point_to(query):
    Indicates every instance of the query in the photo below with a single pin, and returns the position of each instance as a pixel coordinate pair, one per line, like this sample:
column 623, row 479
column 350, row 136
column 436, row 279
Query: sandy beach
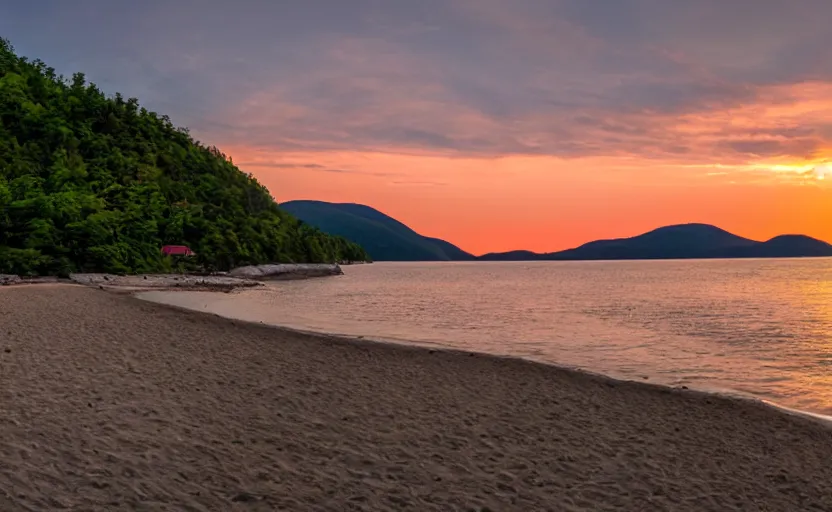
column 112, row 403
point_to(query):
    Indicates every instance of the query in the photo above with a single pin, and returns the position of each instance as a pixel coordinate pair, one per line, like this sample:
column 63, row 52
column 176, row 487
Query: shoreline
column 245, row 284
column 249, row 276
column 111, row 401
column 728, row 394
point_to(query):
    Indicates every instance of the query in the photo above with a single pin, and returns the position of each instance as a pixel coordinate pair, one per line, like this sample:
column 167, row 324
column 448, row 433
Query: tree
column 96, row 183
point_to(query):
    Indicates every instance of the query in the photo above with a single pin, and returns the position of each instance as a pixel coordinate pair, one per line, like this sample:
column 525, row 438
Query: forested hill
column 96, row 183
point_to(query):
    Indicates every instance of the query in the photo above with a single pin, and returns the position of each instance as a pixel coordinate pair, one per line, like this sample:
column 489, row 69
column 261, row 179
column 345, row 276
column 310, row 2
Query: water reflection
column 759, row 327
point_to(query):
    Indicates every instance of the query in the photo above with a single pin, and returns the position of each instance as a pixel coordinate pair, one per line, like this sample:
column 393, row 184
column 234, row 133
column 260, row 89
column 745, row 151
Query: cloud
column 354, row 171
column 682, row 82
column 310, row 167
column 278, row 165
column 772, row 148
column 414, row 182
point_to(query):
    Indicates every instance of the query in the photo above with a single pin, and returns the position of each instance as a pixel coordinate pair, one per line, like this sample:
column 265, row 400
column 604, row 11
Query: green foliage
column 91, row 183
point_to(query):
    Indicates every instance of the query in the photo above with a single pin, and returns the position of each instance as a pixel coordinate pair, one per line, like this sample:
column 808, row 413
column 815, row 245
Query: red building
column 177, row 250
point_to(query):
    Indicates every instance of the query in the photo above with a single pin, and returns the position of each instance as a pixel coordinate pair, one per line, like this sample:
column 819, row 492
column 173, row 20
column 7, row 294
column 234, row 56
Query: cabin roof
column 177, row 250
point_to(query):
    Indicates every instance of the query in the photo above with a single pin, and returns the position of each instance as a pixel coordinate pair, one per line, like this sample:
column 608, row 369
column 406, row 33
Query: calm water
column 754, row 327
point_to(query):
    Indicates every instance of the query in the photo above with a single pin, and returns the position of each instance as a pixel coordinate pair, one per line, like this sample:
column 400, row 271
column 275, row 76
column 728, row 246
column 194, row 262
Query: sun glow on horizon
column 822, row 170
column 817, row 170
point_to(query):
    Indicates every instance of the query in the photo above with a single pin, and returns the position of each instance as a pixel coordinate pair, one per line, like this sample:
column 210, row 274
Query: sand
column 111, row 403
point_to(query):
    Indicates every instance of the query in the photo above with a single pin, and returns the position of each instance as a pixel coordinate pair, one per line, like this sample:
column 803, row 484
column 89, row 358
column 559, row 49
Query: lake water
column 761, row 328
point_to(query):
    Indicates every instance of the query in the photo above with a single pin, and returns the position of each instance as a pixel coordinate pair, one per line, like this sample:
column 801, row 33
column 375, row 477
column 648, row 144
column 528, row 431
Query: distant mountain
column 383, row 237
column 784, row 246
column 511, row 256
column 387, row 239
column 453, row 252
column 684, row 241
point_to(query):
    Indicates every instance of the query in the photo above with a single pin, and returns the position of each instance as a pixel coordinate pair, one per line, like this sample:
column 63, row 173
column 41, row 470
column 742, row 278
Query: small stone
column 7, row 350
column 6, row 279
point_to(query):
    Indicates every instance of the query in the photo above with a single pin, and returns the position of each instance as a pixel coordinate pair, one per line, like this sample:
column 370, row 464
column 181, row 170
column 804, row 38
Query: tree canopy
column 96, row 183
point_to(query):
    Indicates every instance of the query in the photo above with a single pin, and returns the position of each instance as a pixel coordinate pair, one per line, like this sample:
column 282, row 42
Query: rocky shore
column 163, row 281
column 11, row 279
column 287, row 271
column 241, row 277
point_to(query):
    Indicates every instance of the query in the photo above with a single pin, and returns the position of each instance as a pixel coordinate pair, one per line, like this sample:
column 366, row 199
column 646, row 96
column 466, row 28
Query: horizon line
column 560, row 250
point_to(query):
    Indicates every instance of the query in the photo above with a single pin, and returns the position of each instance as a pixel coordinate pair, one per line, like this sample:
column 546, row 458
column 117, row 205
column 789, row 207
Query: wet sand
column 112, row 403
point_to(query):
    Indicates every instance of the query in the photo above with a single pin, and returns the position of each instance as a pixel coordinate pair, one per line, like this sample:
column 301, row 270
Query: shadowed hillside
column 384, row 238
column 387, row 239
column 684, row 241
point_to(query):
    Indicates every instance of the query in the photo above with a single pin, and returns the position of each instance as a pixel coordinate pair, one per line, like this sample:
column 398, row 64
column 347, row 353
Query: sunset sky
column 494, row 124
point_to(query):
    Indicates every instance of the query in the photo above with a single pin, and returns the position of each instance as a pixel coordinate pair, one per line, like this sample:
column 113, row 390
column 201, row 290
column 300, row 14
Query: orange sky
column 494, row 125
column 546, row 203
